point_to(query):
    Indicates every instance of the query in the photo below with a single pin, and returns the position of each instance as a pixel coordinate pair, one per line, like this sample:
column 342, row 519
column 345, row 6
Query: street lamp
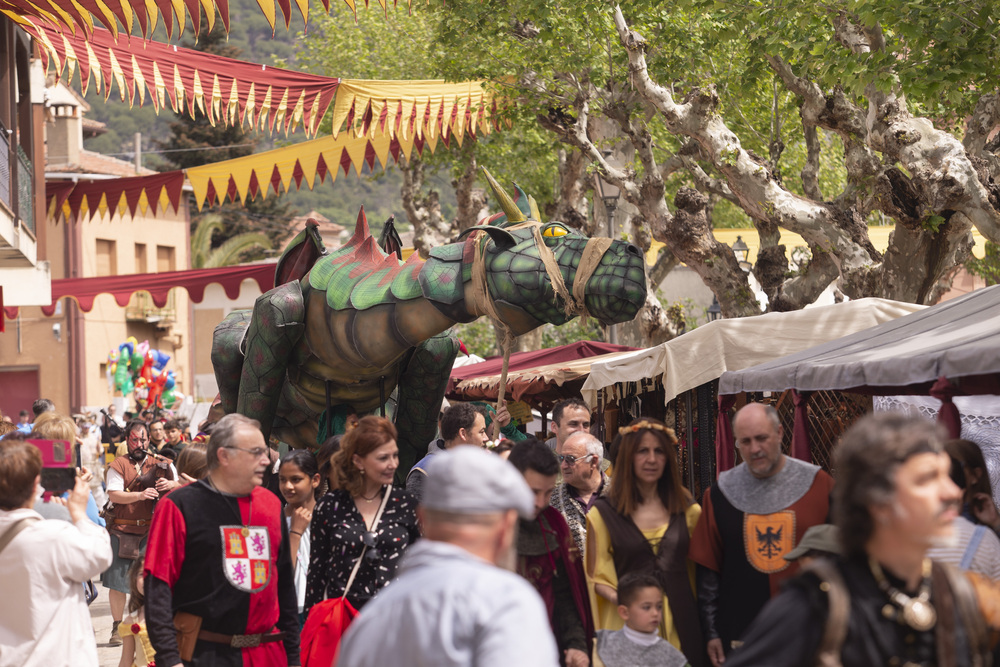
column 609, row 194
column 715, row 310
column 742, row 252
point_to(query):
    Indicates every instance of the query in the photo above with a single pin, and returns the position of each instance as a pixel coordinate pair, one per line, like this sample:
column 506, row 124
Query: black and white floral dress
column 337, row 540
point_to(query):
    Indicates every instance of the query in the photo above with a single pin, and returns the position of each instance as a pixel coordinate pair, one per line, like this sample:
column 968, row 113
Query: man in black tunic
column 218, row 564
column 883, row 602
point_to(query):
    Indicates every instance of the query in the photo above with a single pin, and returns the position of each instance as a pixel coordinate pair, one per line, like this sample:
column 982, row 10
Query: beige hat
column 470, row 480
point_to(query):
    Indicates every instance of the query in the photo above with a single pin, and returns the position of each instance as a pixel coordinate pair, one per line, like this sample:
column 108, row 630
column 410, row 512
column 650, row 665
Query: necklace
column 239, row 516
column 371, row 498
column 916, row 612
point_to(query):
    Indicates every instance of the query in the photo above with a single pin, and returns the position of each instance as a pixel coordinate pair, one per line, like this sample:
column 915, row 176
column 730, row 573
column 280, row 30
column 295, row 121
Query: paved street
column 100, row 614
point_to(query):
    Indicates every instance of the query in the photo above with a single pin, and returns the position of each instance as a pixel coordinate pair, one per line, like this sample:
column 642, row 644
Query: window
column 165, row 260
column 107, row 258
column 141, row 265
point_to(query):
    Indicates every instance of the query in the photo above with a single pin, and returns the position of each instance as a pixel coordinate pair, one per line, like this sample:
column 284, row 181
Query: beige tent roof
column 706, row 353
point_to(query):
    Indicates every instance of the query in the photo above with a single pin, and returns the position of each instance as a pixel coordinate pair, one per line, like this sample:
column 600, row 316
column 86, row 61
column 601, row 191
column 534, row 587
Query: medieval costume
column 566, row 499
column 616, row 545
column 223, row 559
column 790, row 630
column 747, row 525
column 337, row 540
column 548, row 559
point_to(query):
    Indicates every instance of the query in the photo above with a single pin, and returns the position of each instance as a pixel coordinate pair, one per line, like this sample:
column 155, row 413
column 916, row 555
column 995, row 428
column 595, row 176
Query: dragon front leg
column 276, row 327
column 421, row 388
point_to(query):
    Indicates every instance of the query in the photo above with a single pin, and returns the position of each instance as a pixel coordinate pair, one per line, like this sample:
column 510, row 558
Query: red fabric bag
column 328, row 620
column 326, row 624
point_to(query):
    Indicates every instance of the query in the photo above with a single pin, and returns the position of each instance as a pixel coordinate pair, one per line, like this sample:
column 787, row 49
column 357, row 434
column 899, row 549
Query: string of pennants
column 234, row 180
column 225, row 90
column 234, row 92
column 79, row 15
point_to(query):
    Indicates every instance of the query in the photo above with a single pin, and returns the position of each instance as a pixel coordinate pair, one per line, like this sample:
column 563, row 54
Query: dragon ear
column 501, row 237
column 514, row 214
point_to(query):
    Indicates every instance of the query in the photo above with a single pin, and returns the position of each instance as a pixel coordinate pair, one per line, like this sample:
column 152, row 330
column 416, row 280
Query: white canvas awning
column 706, row 353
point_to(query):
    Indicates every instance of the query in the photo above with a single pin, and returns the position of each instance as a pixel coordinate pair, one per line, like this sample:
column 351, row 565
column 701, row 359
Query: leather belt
column 132, row 522
column 241, row 641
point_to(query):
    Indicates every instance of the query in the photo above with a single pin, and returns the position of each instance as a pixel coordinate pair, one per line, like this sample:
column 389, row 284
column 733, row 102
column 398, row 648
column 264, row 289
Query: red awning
column 85, row 290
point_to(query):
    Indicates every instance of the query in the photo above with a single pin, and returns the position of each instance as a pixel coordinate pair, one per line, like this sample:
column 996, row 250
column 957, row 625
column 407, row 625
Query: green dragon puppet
column 349, row 327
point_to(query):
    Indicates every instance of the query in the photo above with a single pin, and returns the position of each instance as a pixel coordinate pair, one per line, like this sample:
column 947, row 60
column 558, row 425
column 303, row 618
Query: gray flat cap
column 824, row 537
column 471, row 480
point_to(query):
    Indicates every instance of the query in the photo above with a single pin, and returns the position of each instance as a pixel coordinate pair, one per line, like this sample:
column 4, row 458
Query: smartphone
column 58, row 466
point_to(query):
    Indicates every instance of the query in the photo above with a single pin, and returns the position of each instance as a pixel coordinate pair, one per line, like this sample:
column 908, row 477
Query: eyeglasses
column 571, row 460
column 370, row 539
column 256, row 452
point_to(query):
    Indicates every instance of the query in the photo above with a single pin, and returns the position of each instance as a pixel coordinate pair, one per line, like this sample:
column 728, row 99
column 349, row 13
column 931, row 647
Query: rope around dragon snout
column 573, row 303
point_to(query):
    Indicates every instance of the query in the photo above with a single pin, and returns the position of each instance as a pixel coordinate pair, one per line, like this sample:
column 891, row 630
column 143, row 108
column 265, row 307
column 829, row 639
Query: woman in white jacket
column 44, row 619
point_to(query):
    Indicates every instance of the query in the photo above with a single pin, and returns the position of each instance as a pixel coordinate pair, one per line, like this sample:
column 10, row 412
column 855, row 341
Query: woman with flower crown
column 644, row 524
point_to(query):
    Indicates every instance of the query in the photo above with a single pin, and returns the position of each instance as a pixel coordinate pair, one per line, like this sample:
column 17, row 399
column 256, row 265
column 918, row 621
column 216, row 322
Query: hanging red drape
column 725, row 442
column 85, row 290
column 948, row 415
column 800, row 430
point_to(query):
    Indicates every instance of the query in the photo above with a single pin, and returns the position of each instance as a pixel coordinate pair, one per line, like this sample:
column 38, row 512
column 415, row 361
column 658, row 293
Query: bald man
column 751, row 517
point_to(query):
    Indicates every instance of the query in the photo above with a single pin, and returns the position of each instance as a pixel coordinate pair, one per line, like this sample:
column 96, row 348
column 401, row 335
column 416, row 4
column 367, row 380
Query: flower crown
column 638, row 426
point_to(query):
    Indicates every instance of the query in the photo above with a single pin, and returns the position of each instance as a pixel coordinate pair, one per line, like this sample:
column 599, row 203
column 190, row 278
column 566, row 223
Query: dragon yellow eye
column 553, row 231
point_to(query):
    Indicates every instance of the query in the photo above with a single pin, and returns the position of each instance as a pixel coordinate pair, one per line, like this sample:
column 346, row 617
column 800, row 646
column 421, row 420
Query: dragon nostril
column 633, row 250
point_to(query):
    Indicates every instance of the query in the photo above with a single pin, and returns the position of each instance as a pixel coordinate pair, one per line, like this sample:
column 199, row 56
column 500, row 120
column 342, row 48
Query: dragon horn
column 510, row 209
column 534, row 208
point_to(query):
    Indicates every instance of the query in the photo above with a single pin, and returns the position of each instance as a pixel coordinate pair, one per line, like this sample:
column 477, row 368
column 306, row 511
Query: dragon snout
column 633, row 250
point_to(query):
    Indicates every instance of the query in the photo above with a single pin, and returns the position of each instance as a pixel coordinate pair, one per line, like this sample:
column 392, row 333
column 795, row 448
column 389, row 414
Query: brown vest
column 140, row 511
column 634, row 553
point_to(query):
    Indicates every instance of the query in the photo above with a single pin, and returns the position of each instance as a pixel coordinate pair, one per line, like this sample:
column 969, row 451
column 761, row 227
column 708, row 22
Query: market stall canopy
column 957, row 340
column 706, row 353
column 541, row 377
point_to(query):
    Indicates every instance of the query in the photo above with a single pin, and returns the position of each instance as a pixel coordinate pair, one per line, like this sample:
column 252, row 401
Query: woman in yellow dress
column 644, row 524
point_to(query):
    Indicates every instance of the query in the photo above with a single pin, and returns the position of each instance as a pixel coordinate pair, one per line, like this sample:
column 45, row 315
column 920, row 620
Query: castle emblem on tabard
column 767, row 538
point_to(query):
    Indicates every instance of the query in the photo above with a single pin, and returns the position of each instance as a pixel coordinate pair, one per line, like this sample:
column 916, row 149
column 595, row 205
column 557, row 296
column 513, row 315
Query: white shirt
column 448, row 608
column 44, row 619
column 115, row 482
column 301, row 564
column 986, row 557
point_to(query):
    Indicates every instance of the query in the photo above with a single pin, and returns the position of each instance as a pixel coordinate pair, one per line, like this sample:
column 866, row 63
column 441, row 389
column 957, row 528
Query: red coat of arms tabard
column 246, row 557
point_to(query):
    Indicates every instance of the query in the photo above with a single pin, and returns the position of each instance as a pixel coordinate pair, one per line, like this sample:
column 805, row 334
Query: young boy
column 640, row 604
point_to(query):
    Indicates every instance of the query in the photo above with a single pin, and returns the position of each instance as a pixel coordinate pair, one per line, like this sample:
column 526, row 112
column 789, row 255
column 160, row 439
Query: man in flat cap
column 452, row 602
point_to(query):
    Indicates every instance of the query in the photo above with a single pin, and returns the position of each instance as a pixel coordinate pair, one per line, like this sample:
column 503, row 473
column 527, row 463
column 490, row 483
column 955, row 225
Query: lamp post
column 742, row 252
column 715, row 310
column 609, row 194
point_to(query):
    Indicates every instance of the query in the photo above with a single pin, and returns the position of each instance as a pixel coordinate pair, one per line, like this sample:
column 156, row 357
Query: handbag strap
column 364, row 549
column 15, row 529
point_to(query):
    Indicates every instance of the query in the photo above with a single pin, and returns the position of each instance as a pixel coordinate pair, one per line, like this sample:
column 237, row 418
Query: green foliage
column 987, row 268
column 231, row 251
column 478, row 337
column 573, row 331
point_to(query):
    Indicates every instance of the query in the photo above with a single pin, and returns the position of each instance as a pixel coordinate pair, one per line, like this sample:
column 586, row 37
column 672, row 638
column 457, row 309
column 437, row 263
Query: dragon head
column 520, row 256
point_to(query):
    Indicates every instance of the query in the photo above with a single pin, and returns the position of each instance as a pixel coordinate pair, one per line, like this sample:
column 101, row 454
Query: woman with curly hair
column 644, row 524
column 342, row 524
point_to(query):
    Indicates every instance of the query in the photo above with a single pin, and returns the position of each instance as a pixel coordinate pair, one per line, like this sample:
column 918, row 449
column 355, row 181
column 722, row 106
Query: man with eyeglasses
column 219, row 583
column 583, row 483
column 133, row 490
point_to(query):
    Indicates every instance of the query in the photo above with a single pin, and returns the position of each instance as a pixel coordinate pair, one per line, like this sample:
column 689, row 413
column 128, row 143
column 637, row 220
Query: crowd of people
column 564, row 551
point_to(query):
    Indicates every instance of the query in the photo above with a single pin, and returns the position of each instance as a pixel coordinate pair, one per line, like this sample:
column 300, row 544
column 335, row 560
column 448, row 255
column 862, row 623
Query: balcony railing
column 142, row 309
column 5, row 167
column 25, row 200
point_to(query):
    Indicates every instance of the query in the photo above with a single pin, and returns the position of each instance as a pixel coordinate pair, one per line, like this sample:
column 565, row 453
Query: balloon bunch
column 137, row 368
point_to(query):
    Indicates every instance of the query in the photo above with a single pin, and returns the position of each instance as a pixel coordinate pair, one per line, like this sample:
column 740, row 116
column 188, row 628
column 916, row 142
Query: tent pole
column 690, row 438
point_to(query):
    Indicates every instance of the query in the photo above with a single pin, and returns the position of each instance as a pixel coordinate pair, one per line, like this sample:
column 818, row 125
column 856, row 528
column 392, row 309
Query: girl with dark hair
column 344, row 526
column 978, row 505
column 298, row 480
column 644, row 524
